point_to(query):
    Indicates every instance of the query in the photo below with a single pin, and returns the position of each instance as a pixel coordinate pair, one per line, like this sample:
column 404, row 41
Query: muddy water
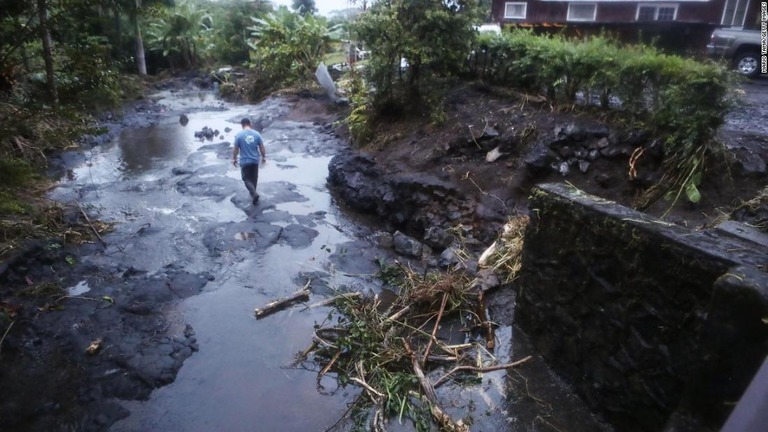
column 178, row 203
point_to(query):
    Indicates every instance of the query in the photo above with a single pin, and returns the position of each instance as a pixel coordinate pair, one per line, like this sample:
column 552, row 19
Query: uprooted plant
column 391, row 349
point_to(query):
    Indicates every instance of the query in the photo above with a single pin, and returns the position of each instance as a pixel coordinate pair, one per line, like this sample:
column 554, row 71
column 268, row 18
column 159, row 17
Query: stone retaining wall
column 645, row 318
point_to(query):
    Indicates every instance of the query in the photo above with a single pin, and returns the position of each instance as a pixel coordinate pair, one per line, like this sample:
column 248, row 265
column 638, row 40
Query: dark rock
column 298, row 236
column 438, row 238
column 448, row 258
column 565, row 151
column 748, row 163
column 183, row 120
column 407, row 246
column 583, row 166
column 539, row 158
column 593, row 155
column 181, row 171
column 486, row 280
column 571, row 131
column 227, row 129
column 385, row 240
column 603, row 143
column 611, row 152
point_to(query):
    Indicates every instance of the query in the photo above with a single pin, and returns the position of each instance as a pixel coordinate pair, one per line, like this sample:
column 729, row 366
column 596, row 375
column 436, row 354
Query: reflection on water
column 146, row 148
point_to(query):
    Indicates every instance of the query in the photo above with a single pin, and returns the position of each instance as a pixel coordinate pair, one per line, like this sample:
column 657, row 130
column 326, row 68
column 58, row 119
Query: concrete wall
column 644, row 318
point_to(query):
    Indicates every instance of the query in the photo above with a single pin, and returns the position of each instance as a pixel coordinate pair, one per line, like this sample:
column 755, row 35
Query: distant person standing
column 249, row 145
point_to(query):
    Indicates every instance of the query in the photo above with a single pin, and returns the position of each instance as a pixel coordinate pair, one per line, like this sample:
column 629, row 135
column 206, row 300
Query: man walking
column 248, row 144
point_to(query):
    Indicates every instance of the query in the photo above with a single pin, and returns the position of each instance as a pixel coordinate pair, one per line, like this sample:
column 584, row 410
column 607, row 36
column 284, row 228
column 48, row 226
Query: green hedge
column 683, row 100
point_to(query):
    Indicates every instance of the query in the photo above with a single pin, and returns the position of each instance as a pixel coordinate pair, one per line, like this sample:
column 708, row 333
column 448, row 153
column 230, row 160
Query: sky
column 323, row 6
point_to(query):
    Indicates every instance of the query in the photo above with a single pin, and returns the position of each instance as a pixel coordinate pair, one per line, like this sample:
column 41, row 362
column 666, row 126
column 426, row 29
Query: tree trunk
column 22, row 47
column 141, row 61
column 117, row 39
column 45, row 34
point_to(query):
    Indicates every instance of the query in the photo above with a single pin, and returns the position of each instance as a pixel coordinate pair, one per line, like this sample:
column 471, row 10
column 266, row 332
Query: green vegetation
column 426, row 44
column 287, row 47
column 681, row 100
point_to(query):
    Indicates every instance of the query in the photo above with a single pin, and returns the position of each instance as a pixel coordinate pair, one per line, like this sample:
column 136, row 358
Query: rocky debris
column 407, row 246
column 486, row 280
column 748, row 163
column 448, row 258
column 575, row 146
column 754, row 212
column 240, row 236
column 139, row 347
column 411, row 203
column 206, row 133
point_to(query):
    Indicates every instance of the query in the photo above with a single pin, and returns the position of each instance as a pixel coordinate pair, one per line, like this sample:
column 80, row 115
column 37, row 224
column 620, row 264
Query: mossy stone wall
column 643, row 317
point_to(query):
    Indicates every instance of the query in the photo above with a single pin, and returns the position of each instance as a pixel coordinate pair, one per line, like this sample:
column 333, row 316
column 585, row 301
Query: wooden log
column 280, row 304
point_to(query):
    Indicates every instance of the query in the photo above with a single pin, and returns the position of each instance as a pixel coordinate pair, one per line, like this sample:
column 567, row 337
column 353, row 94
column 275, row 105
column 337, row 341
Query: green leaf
column 692, row 192
column 108, row 299
column 70, row 260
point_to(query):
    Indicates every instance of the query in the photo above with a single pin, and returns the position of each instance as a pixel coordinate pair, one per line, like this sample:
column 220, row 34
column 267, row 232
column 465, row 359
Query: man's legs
column 250, row 175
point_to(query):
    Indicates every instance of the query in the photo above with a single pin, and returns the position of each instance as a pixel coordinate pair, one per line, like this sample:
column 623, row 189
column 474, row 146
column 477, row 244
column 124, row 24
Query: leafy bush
column 183, row 34
column 359, row 119
column 287, row 47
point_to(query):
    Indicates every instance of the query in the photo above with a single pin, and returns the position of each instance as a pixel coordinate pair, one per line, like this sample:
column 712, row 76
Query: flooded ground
column 179, row 206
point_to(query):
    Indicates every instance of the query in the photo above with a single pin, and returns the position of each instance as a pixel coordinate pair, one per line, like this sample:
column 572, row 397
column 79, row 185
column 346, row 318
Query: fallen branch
column 398, row 314
column 329, row 365
column 88, row 220
column 445, row 421
column 332, row 300
column 442, row 380
column 280, row 304
column 434, row 330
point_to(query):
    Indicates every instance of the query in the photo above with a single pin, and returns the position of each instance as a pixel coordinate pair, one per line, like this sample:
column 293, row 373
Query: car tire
column 747, row 64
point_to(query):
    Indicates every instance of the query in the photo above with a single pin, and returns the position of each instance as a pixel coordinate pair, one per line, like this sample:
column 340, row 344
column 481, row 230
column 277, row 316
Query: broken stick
column 480, row 369
column 280, row 304
column 87, row 219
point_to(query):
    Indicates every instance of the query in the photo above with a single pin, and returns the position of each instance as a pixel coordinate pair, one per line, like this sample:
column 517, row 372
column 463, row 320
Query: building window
column 515, row 10
column 735, row 12
column 666, row 12
column 582, row 11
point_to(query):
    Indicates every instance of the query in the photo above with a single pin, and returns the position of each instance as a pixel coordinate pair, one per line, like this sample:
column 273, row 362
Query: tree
column 45, row 35
column 414, row 44
column 184, row 33
column 141, row 62
column 304, row 7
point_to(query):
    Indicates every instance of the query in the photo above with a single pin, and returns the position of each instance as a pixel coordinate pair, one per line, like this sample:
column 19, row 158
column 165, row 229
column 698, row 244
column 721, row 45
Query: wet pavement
column 180, row 208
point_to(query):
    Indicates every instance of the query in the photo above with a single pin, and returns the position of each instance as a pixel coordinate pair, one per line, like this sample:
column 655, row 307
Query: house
column 678, row 25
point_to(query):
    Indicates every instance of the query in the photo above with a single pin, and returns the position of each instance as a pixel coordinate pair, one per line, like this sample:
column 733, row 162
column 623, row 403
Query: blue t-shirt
column 248, row 141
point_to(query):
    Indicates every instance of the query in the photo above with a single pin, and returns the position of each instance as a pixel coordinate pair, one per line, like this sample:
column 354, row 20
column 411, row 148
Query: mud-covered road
column 167, row 300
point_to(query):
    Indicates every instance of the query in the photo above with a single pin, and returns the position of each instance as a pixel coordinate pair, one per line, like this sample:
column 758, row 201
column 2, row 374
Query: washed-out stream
column 178, row 204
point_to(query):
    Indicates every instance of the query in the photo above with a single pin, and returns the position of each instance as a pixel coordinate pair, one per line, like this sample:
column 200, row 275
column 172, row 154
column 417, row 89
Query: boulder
column 407, row 246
